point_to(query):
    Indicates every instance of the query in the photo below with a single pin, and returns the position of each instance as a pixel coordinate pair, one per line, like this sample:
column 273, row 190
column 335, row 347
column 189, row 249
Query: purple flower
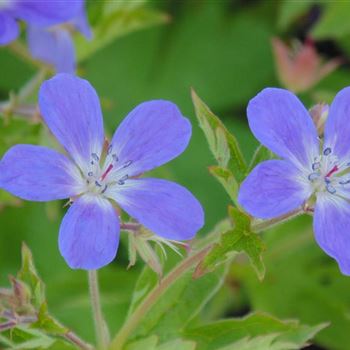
column 152, row 134
column 311, row 172
column 54, row 45
column 39, row 13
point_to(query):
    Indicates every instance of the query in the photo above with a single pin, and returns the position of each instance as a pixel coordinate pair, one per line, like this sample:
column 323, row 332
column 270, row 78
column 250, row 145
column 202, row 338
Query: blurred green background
column 223, row 50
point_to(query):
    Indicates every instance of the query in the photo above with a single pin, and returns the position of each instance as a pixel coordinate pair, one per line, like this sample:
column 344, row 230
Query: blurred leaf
column 222, row 143
column 177, row 344
column 227, row 180
column 238, row 239
column 16, row 131
column 260, row 155
column 47, row 323
column 220, row 335
column 301, row 281
column 292, row 10
column 29, row 275
column 118, row 18
column 334, row 22
column 149, row 343
column 178, row 305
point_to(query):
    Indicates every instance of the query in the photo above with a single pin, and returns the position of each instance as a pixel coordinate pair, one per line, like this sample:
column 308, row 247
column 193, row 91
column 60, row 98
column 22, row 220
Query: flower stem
column 264, row 225
column 132, row 322
column 74, row 339
column 100, row 325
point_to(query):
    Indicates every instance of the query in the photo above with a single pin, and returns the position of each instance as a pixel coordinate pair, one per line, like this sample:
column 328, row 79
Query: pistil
column 332, row 171
column 108, row 170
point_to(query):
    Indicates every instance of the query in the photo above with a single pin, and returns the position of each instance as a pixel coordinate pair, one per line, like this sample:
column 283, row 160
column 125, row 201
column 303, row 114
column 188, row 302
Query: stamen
column 313, row 176
column 327, row 151
column 122, row 180
column 316, row 166
column 98, row 184
column 332, row 171
column 110, row 167
column 331, row 189
column 95, row 157
column 90, row 173
column 115, row 158
column 344, row 182
column 104, row 190
column 109, row 150
column 127, row 163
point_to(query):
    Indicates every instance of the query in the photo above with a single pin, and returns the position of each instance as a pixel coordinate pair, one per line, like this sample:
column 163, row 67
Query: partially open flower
column 299, row 68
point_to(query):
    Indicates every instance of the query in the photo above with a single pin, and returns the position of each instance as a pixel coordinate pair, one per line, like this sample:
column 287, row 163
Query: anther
column 122, row 180
column 109, row 150
column 115, row 158
column 95, row 157
column 98, row 184
column 313, row 176
column 331, row 189
column 316, row 166
column 344, row 182
column 327, row 151
column 104, row 190
column 127, row 163
column 90, row 173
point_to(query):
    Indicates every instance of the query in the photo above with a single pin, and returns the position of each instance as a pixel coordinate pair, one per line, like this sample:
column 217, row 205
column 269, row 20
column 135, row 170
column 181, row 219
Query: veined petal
column 273, row 188
column 46, row 13
column 337, row 128
column 9, row 29
column 53, row 46
column 332, row 228
column 152, row 134
column 164, row 207
column 39, row 174
column 71, row 110
column 279, row 121
column 89, row 233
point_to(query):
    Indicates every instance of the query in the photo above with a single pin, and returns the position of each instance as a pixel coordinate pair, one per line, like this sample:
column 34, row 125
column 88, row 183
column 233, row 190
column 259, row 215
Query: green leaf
column 177, row 344
column 292, row 10
column 254, row 329
column 29, row 275
column 222, row 143
column 260, row 155
column 149, row 343
column 240, row 238
column 301, row 281
column 334, row 22
column 227, row 180
column 47, row 323
column 178, row 305
column 118, row 19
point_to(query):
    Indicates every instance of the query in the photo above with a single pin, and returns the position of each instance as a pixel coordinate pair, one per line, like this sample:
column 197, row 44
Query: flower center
column 113, row 172
column 326, row 173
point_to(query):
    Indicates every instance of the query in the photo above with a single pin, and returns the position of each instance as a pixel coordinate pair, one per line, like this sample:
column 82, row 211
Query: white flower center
column 327, row 171
column 113, row 172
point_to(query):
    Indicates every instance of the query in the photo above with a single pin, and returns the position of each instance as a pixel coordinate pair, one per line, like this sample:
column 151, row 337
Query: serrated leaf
column 220, row 335
column 260, row 155
column 118, row 19
column 238, row 239
column 222, row 143
column 29, row 275
column 47, row 323
column 178, row 305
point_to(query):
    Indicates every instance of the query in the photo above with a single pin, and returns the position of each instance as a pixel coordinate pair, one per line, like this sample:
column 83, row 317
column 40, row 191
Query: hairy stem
column 73, row 338
column 264, row 225
column 132, row 322
column 100, row 325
